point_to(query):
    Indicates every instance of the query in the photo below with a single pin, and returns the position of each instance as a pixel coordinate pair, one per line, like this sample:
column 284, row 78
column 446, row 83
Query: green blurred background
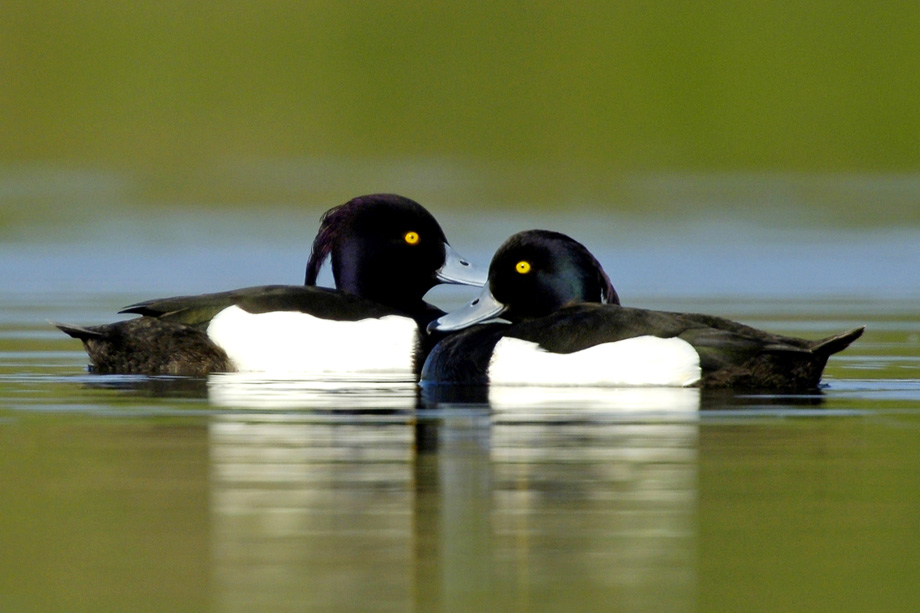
column 641, row 107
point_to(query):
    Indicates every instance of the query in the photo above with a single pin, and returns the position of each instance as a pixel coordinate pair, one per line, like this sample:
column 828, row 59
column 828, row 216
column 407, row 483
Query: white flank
column 290, row 341
column 644, row 360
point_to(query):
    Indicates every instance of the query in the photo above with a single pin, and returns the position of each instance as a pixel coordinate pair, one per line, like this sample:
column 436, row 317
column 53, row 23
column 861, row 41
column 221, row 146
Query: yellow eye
column 411, row 237
column 522, row 267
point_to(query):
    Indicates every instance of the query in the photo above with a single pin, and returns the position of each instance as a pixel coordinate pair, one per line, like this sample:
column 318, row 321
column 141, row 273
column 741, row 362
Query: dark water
column 237, row 493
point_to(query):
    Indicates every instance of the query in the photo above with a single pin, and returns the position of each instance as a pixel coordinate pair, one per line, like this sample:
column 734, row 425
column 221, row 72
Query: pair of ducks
column 549, row 315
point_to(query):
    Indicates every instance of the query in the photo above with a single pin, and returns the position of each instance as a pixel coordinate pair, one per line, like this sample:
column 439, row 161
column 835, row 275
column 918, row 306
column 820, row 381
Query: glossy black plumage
column 554, row 303
column 377, row 271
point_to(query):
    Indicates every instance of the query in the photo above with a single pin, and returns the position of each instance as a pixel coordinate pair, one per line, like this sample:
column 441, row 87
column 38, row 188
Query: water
column 238, row 493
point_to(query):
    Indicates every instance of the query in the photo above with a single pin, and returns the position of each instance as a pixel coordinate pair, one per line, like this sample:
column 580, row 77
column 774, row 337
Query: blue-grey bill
column 459, row 271
column 485, row 308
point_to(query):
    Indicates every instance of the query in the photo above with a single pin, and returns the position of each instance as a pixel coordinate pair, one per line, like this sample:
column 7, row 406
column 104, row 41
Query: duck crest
column 334, row 229
column 325, row 238
column 608, row 293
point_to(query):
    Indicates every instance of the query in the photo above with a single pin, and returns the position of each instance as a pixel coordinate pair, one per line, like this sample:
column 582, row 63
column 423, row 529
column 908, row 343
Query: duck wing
column 199, row 310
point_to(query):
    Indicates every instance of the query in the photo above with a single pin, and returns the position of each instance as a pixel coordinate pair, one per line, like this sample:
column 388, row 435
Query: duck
column 549, row 315
column 386, row 252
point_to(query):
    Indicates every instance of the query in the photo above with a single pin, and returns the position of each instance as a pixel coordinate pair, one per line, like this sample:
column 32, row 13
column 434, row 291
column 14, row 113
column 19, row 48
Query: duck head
column 534, row 274
column 389, row 249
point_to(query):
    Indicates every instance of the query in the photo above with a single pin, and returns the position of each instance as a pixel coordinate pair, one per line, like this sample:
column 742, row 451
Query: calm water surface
column 238, row 493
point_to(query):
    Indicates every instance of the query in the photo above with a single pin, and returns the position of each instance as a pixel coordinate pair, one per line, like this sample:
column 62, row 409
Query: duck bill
column 485, row 308
column 458, row 270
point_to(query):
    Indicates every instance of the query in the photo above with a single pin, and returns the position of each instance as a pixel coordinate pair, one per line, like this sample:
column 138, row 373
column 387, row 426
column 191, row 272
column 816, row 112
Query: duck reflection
column 543, row 501
column 311, row 515
column 262, row 391
column 600, row 507
column 585, row 403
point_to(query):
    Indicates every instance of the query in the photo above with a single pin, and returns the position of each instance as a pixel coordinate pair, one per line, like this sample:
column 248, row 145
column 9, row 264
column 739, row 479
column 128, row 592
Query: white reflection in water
column 580, row 501
column 294, row 391
column 602, row 402
column 612, row 505
column 301, row 511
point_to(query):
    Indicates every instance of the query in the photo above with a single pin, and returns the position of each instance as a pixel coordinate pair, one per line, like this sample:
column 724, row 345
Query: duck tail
column 78, row 332
column 833, row 344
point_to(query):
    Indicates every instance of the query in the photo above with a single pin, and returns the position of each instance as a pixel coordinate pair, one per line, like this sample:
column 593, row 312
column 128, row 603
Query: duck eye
column 522, row 267
column 411, row 237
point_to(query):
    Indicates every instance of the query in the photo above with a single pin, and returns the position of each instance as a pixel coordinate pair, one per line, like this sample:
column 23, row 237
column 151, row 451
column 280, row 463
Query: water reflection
column 601, row 402
column 259, row 390
column 533, row 505
column 309, row 515
column 147, row 387
column 601, row 512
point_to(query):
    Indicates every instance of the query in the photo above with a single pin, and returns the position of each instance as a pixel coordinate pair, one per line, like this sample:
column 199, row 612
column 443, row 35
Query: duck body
column 386, row 252
column 597, row 344
column 558, row 330
column 275, row 328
